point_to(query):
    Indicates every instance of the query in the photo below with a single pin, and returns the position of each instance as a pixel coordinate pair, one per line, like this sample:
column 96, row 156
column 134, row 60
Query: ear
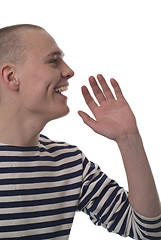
column 8, row 76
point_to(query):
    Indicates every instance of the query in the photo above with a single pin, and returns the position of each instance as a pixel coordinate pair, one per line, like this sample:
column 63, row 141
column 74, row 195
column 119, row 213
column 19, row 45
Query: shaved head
column 12, row 47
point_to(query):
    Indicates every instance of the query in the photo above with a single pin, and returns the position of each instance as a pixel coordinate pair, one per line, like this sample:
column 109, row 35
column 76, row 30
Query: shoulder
column 59, row 147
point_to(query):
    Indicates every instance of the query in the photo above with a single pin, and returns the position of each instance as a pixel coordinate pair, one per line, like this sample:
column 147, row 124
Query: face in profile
column 43, row 76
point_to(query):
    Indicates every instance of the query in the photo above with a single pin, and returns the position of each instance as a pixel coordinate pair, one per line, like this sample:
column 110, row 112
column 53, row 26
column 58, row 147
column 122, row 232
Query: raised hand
column 113, row 116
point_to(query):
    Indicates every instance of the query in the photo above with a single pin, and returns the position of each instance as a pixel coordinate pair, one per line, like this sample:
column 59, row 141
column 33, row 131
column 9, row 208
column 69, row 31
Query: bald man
column 44, row 182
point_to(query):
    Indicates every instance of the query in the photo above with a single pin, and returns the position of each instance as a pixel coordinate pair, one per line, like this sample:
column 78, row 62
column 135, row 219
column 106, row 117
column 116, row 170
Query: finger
column 88, row 99
column 117, row 89
column 96, row 90
column 87, row 119
column 106, row 90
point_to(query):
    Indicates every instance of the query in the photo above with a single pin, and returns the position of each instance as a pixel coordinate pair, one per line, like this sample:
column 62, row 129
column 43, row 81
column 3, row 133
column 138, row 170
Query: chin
column 65, row 113
column 61, row 114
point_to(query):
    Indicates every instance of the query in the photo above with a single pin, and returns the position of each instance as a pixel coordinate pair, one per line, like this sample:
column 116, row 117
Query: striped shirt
column 42, row 187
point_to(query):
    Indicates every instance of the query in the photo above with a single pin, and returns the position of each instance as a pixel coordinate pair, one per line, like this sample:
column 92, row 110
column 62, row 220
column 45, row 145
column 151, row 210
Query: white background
column 121, row 39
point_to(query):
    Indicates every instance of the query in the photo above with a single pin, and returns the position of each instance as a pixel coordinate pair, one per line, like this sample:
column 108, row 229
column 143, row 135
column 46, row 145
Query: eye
column 54, row 61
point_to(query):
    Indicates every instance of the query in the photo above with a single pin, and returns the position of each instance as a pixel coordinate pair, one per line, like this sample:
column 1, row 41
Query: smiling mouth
column 61, row 89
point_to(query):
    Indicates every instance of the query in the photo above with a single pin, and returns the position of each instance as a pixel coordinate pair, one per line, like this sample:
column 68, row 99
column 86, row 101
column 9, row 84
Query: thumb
column 87, row 119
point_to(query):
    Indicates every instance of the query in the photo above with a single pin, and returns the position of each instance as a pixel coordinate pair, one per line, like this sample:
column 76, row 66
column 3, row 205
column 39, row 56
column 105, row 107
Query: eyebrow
column 58, row 53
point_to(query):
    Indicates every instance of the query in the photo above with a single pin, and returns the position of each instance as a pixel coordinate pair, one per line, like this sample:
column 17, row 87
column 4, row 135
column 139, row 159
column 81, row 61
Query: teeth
column 60, row 89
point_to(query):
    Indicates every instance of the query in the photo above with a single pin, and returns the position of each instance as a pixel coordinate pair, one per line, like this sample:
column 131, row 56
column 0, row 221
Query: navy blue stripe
column 68, row 155
column 36, row 191
column 85, row 163
column 88, row 182
column 96, row 177
column 151, row 238
column 92, row 167
column 63, row 156
column 40, row 168
column 53, row 142
column 106, row 203
column 21, row 158
column 41, row 236
column 131, row 232
column 18, row 148
column 123, row 227
column 43, row 136
column 148, row 221
column 89, row 196
column 56, row 148
column 117, row 216
column 105, row 216
column 151, row 230
column 23, row 227
column 13, row 181
column 126, row 203
column 45, row 213
column 101, row 218
column 39, row 202
column 39, row 158
column 109, row 198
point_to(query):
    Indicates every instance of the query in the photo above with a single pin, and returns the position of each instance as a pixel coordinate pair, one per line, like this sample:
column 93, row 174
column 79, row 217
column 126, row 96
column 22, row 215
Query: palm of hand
column 113, row 117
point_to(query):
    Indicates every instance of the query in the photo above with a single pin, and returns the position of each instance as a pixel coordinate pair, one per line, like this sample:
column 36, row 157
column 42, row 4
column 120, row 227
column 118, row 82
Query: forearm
column 113, row 119
column 143, row 195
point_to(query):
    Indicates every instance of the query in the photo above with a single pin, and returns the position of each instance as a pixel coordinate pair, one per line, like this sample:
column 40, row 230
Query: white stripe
column 41, row 173
column 39, row 185
column 151, row 226
column 33, row 209
column 92, row 187
column 14, row 222
column 40, row 196
column 40, row 163
column 37, row 153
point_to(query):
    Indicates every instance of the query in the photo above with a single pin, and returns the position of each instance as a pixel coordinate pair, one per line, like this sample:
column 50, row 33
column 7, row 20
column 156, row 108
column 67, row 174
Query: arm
column 115, row 120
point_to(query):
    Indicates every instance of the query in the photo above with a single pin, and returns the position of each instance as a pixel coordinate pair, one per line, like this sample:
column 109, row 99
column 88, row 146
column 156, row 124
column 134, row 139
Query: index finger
column 88, row 98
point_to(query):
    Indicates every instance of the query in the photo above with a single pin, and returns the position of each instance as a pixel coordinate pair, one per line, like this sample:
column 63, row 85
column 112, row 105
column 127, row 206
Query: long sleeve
column 107, row 205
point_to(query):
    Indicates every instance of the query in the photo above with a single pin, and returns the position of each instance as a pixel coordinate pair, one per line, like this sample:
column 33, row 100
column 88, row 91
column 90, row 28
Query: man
column 43, row 182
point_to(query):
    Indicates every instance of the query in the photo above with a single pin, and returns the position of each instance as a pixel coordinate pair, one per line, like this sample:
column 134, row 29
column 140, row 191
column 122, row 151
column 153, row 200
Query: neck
column 19, row 130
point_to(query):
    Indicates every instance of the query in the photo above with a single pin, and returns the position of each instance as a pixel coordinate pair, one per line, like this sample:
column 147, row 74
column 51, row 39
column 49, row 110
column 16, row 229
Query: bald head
column 12, row 46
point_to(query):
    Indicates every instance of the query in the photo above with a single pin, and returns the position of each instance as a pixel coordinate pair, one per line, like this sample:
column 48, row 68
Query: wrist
column 128, row 139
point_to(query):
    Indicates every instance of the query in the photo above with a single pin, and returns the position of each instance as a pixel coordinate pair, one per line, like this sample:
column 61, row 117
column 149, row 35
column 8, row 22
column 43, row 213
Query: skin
column 28, row 101
column 115, row 120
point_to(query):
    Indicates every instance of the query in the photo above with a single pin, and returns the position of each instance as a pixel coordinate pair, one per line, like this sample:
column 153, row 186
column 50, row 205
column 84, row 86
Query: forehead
column 40, row 43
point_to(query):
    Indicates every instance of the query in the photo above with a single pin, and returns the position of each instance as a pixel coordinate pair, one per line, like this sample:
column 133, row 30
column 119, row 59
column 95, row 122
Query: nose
column 67, row 72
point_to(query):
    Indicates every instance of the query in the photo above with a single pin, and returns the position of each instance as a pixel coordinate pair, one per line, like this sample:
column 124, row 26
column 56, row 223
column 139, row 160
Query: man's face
column 43, row 76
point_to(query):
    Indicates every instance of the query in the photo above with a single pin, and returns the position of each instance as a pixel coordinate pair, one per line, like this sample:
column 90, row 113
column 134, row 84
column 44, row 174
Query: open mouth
column 61, row 89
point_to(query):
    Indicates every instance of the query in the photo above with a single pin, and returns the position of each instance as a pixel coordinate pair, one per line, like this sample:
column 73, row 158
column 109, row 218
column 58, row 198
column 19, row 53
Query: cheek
column 34, row 83
column 37, row 84
column 32, row 94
